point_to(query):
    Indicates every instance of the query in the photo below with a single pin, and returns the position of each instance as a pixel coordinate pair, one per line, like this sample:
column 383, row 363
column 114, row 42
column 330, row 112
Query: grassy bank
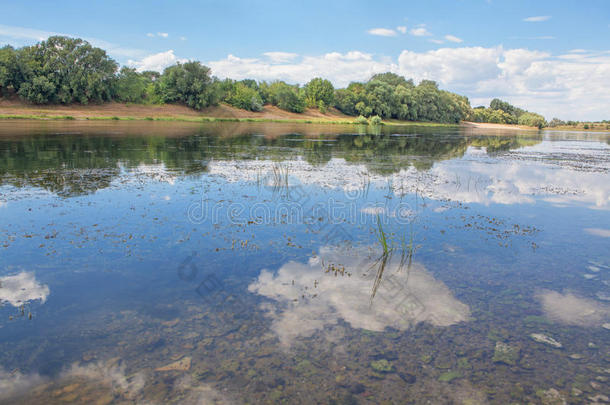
column 141, row 112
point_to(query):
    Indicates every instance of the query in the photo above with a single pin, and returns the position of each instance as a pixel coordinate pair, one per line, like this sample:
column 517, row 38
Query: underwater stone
column 449, row 376
column 542, row 338
column 180, row 365
column 506, row 354
column 381, row 366
column 551, row 397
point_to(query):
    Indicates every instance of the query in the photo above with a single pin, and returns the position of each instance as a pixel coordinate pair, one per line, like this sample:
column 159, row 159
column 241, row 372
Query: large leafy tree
column 9, row 70
column 65, row 70
column 319, row 90
column 189, row 83
column 132, row 87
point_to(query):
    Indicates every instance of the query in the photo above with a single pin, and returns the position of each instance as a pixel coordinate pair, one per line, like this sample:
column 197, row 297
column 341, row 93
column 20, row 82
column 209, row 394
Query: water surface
column 263, row 263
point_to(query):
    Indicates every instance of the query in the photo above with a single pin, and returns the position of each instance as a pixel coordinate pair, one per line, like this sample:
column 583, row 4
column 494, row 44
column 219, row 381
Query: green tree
column 131, row 86
column 532, row 120
column 189, row 83
column 284, row 96
column 317, row 90
column 245, row 97
column 9, row 71
column 66, row 70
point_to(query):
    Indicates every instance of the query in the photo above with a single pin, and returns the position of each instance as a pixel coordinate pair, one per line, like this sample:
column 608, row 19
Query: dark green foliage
column 133, row 87
column 243, row 96
column 64, row 70
column 10, row 77
column 188, row 83
column 392, row 96
column 283, row 96
column 67, row 70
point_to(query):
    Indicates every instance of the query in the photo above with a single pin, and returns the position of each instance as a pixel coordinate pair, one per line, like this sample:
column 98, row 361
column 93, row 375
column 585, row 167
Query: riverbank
column 10, row 109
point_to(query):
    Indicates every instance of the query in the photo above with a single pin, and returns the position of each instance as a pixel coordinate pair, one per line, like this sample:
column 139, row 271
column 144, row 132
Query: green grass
column 381, row 236
column 210, row 119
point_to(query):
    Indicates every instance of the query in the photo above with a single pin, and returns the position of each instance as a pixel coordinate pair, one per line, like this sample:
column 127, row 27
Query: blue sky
column 534, row 53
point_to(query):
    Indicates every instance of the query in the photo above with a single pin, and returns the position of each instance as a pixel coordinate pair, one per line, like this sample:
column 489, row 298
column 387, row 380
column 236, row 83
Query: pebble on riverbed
column 542, row 338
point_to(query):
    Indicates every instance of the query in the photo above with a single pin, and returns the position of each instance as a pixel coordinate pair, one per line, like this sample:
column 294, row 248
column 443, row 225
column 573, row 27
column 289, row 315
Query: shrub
column 375, row 120
column 362, row 120
column 322, row 107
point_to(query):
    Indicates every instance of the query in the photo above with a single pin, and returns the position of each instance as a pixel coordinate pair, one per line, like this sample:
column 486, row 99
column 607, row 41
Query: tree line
column 70, row 70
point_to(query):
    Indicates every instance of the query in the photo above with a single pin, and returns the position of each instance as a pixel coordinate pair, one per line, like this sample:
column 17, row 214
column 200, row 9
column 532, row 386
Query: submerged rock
column 381, row 366
column 506, row 354
column 180, row 365
column 542, row 338
column 551, row 397
column 449, row 376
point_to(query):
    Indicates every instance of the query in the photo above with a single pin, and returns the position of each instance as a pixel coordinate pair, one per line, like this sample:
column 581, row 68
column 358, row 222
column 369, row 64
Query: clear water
column 264, row 263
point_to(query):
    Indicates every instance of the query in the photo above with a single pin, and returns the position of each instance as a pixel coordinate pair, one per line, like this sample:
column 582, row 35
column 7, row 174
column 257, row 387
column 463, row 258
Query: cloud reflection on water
column 308, row 299
column 570, row 309
column 22, row 288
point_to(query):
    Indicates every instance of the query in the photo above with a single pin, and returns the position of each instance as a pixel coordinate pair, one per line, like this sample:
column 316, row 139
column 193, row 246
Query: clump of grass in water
column 381, row 236
column 280, row 179
column 382, row 261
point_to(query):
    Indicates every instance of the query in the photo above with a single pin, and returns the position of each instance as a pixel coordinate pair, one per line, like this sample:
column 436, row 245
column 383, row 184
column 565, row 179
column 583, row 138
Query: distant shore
column 11, row 109
column 171, row 112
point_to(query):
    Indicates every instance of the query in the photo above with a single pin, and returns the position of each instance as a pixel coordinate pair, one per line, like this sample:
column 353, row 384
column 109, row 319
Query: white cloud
column 20, row 36
column 420, row 32
column 182, row 38
column 158, row 35
column 452, row 38
column 383, row 32
column 570, row 309
column 402, row 29
column 436, row 41
column 539, row 18
column 602, row 233
column 308, row 300
column 156, row 62
column 281, row 57
column 22, row 288
column 573, row 85
column 340, row 68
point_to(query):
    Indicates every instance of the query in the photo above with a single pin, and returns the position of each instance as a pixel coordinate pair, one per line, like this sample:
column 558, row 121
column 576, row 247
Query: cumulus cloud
column 538, row 18
column 420, row 32
column 281, row 57
column 570, row 309
column 402, row 29
column 156, row 62
column 340, row 68
column 16, row 35
column 572, row 85
column 22, row 288
column 382, row 32
column 308, row 299
column 452, row 38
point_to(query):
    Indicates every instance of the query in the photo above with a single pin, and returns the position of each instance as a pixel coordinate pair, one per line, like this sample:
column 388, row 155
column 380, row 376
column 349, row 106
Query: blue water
column 250, row 261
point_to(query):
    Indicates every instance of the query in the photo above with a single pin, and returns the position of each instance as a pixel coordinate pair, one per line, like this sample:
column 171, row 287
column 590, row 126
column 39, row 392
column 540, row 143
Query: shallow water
column 263, row 263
